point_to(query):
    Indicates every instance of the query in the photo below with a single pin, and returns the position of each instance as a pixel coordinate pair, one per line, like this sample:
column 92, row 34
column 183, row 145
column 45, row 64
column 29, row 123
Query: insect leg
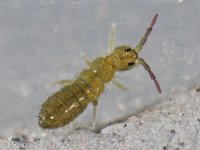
column 86, row 61
column 94, row 114
column 62, row 83
column 119, row 85
column 111, row 40
column 151, row 74
column 148, row 31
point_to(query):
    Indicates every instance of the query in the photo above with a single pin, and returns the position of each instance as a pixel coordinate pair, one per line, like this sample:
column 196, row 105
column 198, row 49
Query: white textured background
column 41, row 42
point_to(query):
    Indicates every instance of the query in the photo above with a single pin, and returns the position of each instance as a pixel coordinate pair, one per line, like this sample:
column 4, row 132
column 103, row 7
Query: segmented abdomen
column 65, row 105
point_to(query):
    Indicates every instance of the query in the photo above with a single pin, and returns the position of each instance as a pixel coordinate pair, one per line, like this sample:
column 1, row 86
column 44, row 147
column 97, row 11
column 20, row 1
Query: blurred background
column 41, row 42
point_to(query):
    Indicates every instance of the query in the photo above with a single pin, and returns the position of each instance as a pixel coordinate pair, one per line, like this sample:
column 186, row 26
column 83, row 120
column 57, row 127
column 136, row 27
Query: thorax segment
column 103, row 67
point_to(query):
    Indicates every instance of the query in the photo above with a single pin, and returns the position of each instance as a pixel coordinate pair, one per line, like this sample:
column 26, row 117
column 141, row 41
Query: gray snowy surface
column 172, row 123
column 41, row 42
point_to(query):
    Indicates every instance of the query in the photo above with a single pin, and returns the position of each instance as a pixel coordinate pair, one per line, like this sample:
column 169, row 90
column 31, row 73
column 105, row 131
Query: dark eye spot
column 127, row 50
column 131, row 64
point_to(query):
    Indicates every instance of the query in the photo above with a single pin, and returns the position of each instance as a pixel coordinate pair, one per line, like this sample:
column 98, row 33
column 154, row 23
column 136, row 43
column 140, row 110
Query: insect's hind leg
column 94, row 113
column 62, row 83
column 86, row 60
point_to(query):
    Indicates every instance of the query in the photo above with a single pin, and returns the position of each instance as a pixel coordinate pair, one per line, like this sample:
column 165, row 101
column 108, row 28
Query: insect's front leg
column 111, row 39
column 119, row 85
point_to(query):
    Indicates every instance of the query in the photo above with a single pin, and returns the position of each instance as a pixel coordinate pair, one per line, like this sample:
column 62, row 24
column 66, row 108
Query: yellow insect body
column 71, row 100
